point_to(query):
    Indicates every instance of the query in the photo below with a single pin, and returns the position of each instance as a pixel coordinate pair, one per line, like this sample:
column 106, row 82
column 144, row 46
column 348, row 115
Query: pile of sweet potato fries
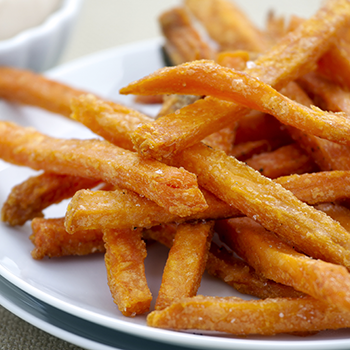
column 245, row 172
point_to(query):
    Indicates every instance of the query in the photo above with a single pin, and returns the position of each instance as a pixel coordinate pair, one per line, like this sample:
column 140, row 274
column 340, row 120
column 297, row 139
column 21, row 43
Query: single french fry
column 276, row 67
column 319, row 187
column 277, row 209
column 227, row 25
column 26, row 87
column 286, row 160
column 183, row 42
column 28, row 199
column 126, row 209
column 276, row 260
column 186, row 262
column 111, row 121
column 124, row 259
column 173, row 188
column 242, row 317
column 208, row 78
column 52, row 240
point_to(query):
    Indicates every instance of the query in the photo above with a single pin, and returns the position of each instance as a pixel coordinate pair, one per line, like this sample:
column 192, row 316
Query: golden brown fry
column 243, row 317
column 269, row 203
column 52, row 240
column 227, row 24
column 286, row 160
column 185, row 263
column 126, row 209
column 183, row 42
column 208, row 78
column 111, row 121
column 324, row 186
column 26, row 87
column 124, row 259
column 277, row 67
column 246, row 150
column 276, row 260
column 28, row 199
column 175, row 189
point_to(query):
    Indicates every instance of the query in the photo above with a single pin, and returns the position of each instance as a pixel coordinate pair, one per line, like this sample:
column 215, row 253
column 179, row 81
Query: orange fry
column 52, row 240
column 175, row 189
column 276, row 260
column 26, row 87
column 126, row 209
column 320, row 187
column 124, row 259
column 224, row 265
column 277, row 209
column 28, row 199
column 276, row 67
column 243, row 317
column 337, row 212
column 186, row 263
column 227, row 25
column 208, row 78
column 183, row 42
column 286, row 160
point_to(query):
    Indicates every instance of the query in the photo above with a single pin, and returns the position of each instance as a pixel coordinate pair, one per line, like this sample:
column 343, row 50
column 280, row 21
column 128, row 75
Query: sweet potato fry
column 270, row 204
column 26, row 87
column 185, row 263
column 276, row 260
column 208, row 78
column 28, row 199
column 111, row 121
column 286, row 160
column 52, row 240
column 224, row 265
column 126, row 209
column 242, row 317
column 227, row 25
column 320, row 187
column 246, row 150
column 176, row 189
column 183, row 42
column 124, row 259
column 276, row 67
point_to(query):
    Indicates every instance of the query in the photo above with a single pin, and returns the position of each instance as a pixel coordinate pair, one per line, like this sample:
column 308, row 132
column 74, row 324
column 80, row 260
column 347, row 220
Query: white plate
column 77, row 286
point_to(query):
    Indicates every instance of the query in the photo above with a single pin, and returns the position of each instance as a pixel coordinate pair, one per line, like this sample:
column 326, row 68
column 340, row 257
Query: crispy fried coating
column 277, row 209
column 185, row 263
column 208, row 78
column 111, row 121
column 242, row 317
column 28, row 199
column 173, row 188
column 183, row 42
column 324, row 186
column 337, row 212
column 276, row 260
column 52, row 240
column 286, row 160
column 227, row 25
column 126, row 209
column 275, row 67
column 124, row 259
column 26, row 87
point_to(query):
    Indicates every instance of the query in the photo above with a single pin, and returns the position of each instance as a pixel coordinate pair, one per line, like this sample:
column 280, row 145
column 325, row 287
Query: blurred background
column 107, row 23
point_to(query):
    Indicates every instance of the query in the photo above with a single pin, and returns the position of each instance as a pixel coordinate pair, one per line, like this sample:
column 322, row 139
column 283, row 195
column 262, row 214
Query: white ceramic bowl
column 39, row 48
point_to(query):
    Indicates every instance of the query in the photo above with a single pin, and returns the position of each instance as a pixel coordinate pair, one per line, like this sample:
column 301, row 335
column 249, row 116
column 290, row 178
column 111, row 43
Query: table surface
column 102, row 24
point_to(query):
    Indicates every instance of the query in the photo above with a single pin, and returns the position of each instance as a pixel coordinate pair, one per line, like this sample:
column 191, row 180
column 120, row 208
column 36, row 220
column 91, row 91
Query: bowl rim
column 67, row 9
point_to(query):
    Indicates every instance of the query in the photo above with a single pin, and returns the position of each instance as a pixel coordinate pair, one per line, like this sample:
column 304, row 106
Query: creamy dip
column 18, row 15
